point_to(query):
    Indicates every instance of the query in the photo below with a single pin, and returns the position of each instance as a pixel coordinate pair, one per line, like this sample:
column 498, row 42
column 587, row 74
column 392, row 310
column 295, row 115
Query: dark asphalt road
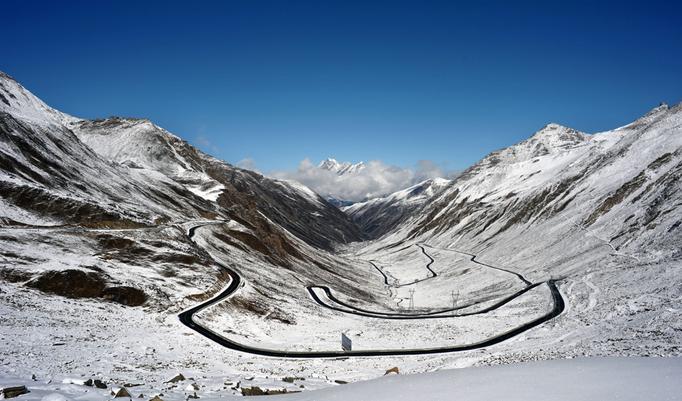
column 187, row 318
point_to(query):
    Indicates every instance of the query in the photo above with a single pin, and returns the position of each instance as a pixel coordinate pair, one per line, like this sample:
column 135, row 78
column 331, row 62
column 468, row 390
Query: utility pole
column 412, row 298
column 454, row 298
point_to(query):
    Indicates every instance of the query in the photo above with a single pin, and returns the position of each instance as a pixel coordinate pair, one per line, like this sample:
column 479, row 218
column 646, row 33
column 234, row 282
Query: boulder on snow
column 255, row 390
column 177, row 378
column 100, row 384
column 14, row 391
column 156, row 398
column 122, row 392
column 392, row 370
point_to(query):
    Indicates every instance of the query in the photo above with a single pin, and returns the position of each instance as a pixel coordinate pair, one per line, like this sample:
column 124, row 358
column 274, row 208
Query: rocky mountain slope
column 380, row 216
column 126, row 172
column 622, row 186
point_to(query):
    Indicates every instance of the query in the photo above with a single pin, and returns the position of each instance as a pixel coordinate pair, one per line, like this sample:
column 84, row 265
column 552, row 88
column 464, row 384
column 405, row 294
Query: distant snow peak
column 344, row 183
column 343, row 168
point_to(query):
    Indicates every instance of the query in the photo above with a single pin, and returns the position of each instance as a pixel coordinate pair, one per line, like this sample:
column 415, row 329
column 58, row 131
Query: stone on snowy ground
column 255, row 390
column 193, row 396
column 156, row 398
column 393, row 370
column 15, row 391
column 100, row 384
column 122, row 392
column 88, row 383
column 192, row 387
column 177, row 378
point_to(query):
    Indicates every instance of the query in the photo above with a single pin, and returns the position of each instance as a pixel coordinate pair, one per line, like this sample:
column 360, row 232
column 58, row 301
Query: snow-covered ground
column 582, row 379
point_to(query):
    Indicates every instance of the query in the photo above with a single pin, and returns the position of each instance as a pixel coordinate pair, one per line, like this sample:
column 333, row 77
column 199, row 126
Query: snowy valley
column 129, row 256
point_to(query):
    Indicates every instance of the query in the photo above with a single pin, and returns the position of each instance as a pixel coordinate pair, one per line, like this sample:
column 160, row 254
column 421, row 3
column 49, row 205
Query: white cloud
column 374, row 180
column 248, row 164
column 205, row 144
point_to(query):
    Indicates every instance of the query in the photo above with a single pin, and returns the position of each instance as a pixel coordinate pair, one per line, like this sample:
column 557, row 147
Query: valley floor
column 61, row 340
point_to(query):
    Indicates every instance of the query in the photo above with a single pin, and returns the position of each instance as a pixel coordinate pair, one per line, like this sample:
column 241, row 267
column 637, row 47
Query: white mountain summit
column 341, row 168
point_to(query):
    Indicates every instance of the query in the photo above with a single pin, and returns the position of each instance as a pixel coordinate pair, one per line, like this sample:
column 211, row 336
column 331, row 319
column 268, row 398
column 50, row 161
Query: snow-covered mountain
column 341, row 168
column 566, row 244
column 379, row 216
column 130, row 171
column 621, row 185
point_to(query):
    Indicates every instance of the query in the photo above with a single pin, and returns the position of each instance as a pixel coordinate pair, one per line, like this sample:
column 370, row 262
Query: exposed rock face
column 13, row 275
column 72, row 283
column 128, row 296
column 15, row 391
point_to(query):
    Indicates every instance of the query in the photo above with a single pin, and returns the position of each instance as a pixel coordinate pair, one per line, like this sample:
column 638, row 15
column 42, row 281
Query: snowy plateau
column 133, row 265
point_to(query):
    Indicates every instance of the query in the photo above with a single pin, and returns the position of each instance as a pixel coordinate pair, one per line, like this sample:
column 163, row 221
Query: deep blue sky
column 390, row 80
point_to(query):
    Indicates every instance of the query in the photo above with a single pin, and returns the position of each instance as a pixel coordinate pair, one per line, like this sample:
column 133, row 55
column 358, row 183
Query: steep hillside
column 139, row 144
column 49, row 175
column 121, row 171
column 622, row 186
column 380, row 216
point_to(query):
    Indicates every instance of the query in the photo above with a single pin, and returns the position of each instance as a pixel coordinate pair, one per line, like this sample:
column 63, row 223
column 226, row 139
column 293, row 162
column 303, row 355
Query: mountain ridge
column 147, row 155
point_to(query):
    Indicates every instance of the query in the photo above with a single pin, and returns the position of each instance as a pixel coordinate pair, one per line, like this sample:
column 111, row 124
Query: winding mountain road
column 433, row 274
column 187, row 318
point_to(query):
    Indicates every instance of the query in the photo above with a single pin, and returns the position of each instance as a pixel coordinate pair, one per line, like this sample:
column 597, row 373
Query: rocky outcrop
column 72, row 283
